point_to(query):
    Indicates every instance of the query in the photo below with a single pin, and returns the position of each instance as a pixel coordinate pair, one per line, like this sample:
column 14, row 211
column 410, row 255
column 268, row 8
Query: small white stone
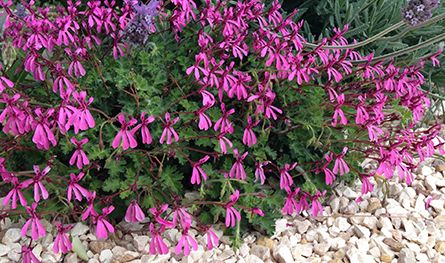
column 244, row 250
column 426, row 170
column 79, row 229
column 4, row 250
column 321, row 248
column 140, row 242
column 253, row 259
column 280, row 226
column 105, row 256
column 370, row 222
column 342, row 224
column 303, row 226
column 12, row 235
column 430, row 183
column 71, row 258
column 438, row 205
column 283, row 254
column 349, row 193
column 355, row 255
column 361, row 231
column 304, row 250
column 337, row 243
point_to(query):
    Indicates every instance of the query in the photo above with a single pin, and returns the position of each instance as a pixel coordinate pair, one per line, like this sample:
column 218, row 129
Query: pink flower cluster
column 230, row 32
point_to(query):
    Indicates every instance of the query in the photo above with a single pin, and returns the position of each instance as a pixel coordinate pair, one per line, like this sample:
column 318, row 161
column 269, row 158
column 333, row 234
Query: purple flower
column 237, row 170
column 37, row 229
column 232, row 215
column 62, row 243
column 181, row 215
column 285, row 178
column 157, row 245
column 79, row 157
column 103, row 227
column 125, row 136
column 340, row 166
column 290, row 204
column 134, row 213
column 28, row 256
column 168, row 130
column 43, row 135
column 185, row 242
column 249, row 137
column 81, row 117
column 157, row 214
column 14, row 194
column 146, row 136
column 197, row 171
column 78, row 190
column 212, row 239
column 37, row 181
column 259, row 171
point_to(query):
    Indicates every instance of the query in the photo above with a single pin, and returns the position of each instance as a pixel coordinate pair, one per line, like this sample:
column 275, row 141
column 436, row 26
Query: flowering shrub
column 122, row 110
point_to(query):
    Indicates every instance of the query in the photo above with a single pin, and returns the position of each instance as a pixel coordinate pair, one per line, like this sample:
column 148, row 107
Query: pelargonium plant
column 125, row 111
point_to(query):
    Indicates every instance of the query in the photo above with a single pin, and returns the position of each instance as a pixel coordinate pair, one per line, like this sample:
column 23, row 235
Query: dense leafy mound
column 122, row 109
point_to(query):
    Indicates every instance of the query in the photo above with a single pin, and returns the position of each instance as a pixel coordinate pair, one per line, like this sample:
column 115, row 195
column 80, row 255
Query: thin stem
column 404, row 51
column 363, row 43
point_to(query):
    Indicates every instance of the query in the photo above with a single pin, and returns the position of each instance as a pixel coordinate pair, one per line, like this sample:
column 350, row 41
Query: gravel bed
column 406, row 225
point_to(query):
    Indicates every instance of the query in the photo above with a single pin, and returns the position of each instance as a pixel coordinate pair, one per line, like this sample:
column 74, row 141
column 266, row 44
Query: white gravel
column 394, row 228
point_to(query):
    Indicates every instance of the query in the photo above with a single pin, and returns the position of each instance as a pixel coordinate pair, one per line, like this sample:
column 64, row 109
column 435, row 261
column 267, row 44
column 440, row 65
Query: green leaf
column 79, row 249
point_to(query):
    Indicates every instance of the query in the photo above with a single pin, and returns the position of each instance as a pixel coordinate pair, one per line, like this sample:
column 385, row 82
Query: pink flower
column 146, row 136
column 232, row 215
column 249, row 137
column 212, row 239
column 366, row 184
column 196, row 68
column 125, row 136
column 168, row 130
column 197, row 171
column 62, row 242
column 223, row 141
column 428, row 201
column 316, row 205
column 4, row 83
column 181, row 215
column 37, row 181
column 223, row 124
column 185, row 242
column 81, row 118
column 28, row 256
column 14, row 194
column 340, row 166
column 290, row 204
column 257, row 211
column 237, row 170
column 134, row 213
column 374, row 132
column 204, row 121
column 338, row 112
column 79, row 157
column 102, row 225
column 90, row 211
column 285, row 178
column 259, row 171
column 37, row 229
column 43, row 135
column 157, row 214
column 157, row 245
column 76, row 69
column 78, row 190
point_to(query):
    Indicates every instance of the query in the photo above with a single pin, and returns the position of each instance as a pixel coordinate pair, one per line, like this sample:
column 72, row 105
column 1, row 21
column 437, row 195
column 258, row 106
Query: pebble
column 12, row 235
column 105, row 256
column 283, row 254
